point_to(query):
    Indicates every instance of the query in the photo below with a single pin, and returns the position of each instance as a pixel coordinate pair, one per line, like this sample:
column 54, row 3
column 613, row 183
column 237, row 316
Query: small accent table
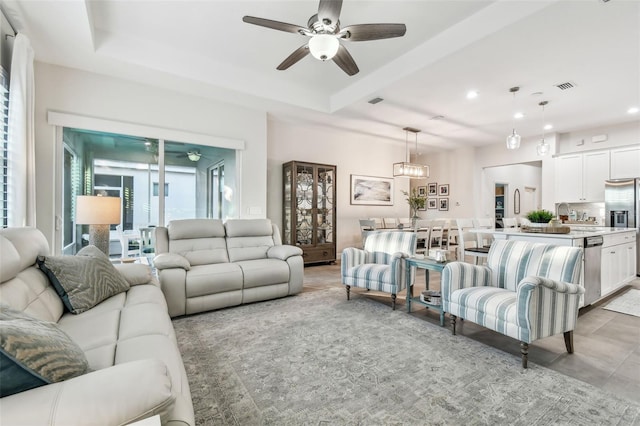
column 427, row 265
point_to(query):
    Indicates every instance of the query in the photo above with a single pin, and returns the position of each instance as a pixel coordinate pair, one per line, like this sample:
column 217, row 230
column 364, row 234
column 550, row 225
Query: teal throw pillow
column 84, row 280
column 35, row 353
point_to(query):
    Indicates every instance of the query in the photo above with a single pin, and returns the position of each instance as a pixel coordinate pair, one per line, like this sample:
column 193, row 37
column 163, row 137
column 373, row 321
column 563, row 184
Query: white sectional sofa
column 205, row 264
column 128, row 341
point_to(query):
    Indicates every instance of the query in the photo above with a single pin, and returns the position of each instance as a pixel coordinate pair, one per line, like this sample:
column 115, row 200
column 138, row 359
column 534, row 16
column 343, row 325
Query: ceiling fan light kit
column 323, row 46
column 406, row 168
column 325, row 34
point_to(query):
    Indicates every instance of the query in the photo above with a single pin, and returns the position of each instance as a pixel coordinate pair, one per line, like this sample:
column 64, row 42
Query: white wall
column 581, row 140
column 82, row 93
column 351, row 153
column 517, row 176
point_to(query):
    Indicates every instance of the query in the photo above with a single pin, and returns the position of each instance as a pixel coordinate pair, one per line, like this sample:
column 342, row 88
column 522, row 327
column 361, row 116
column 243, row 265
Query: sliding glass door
column 156, row 180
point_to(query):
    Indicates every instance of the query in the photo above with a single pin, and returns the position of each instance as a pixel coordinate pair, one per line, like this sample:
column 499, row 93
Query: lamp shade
column 323, row 46
column 410, row 170
column 96, row 210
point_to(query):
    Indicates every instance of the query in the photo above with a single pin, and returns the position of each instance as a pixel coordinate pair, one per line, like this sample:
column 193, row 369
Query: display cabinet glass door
column 309, row 209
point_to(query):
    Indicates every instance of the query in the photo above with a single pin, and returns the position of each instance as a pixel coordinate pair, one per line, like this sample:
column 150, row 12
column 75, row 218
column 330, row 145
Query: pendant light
column 513, row 140
column 406, row 168
column 543, row 147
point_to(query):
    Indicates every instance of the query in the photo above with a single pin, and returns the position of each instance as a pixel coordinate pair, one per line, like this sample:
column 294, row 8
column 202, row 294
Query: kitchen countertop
column 576, row 232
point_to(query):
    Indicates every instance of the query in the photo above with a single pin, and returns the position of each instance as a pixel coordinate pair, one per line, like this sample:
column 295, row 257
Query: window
column 4, row 148
column 156, row 188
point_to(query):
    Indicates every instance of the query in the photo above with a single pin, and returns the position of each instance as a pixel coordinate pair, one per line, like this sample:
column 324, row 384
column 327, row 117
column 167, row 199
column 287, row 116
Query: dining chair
column 390, row 222
column 509, row 222
column 366, row 226
column 130, row 242
column 405, row 222
column 422, row 235
column 378, row 221
column 437, row 237
column 484, row 240
column 468, row 242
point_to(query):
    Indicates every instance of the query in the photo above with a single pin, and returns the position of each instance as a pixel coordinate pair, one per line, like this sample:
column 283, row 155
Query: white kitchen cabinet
column 581, row 177
column 618, row 262
column 625, row 162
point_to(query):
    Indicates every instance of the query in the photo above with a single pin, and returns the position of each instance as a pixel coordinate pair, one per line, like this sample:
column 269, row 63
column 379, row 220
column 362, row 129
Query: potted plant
column 415, row 202
column 540, row 216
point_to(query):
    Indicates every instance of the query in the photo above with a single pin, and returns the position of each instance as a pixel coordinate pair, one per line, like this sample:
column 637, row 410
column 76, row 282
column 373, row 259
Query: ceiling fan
column 324, row 32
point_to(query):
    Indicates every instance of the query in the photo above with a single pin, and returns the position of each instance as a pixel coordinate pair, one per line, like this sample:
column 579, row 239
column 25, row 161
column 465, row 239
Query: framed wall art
column 432, row 203
column 422, row 191
column 444, row 204
column 432, row 189
column 443, row 190
column 371, row 190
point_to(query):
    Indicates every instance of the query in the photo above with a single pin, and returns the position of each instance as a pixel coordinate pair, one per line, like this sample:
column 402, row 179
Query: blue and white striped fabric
column 527, row 291
column 380, row 266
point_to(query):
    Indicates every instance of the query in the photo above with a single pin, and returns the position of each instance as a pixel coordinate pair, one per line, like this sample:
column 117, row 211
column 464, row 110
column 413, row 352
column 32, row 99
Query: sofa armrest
column 352, row 256
column 283, row 252
column 457, row 275
column 136, row 274
column 171, row 260
column 546, row 307
column 116, row 395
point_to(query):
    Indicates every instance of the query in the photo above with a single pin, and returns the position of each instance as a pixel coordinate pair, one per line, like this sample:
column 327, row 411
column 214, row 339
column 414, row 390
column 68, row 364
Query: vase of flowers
column 415, row 202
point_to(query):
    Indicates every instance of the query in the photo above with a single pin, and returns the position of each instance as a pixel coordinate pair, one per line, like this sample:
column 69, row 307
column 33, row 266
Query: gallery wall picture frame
column 443, row 190
column 371, row 190
column 422, row 191
column 432, row 189
column 443, row 204
column 432, row 203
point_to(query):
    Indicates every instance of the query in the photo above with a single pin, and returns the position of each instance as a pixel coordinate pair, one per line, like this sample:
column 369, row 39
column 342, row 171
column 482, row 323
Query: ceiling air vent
column 375, row 101
column 566, row 85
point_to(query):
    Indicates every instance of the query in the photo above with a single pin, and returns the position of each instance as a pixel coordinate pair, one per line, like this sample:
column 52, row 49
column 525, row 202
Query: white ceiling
column 451, row 46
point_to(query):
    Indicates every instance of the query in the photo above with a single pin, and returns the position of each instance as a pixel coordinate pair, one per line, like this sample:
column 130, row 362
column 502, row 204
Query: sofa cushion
column 187, row 229
column 264, row 272
column 34, row 353
column 84, row 280
column 211, row 279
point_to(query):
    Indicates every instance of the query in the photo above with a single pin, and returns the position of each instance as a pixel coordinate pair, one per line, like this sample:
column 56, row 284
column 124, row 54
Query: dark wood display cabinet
column 309, row 212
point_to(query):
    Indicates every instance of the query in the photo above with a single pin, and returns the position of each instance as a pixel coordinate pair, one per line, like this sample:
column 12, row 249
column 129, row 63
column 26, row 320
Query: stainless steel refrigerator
column 622, row 208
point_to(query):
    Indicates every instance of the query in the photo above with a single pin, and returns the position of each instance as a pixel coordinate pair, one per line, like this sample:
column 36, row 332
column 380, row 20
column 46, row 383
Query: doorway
column 500, row 203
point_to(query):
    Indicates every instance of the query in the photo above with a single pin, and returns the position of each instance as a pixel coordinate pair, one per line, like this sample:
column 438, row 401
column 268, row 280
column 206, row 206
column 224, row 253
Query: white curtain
column 22, row 186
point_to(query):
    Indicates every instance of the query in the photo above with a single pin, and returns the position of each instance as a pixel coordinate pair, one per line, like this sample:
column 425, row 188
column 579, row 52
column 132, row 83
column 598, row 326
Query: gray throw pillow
column 35, row 353
column 84, row 280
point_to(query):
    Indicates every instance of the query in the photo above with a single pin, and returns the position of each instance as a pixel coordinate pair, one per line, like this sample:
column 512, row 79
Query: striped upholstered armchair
column 526, row 291
column 381, row 265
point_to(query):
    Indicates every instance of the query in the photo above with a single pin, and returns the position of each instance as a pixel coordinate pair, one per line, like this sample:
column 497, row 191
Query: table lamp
column 98, row 212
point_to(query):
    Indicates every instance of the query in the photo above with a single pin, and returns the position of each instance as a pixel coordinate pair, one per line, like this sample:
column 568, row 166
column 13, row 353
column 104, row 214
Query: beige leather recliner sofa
column 205, row 264
column 128, row 340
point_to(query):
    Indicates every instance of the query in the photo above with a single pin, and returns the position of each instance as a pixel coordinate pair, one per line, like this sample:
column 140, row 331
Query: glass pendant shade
column 513, row 140
column 323, row 46
column 543, row 147
column 410, row 170
column 407, row 168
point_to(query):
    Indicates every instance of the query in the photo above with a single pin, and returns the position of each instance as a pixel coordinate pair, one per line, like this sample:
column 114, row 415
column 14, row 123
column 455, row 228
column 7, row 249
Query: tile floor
column 606, row 343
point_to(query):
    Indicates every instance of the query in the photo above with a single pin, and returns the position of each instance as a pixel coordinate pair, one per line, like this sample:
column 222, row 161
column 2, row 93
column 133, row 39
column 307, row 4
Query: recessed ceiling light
column 633, row 110
column 548, row 126
column 472, row 94
column 518, row 115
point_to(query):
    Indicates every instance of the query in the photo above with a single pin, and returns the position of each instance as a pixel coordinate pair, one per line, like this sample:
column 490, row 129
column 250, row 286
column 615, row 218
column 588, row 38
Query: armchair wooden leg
column 453, row 325
column 524, row 349
column 348, row 287
column 393, row 302
column 568, row 341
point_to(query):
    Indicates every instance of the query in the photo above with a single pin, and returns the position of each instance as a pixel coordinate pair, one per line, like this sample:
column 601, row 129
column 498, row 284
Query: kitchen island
column 609, row 254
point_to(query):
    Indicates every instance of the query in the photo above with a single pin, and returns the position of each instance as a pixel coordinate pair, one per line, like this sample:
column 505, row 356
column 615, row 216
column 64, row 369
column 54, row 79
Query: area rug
column 627, row 303
column 318, row 359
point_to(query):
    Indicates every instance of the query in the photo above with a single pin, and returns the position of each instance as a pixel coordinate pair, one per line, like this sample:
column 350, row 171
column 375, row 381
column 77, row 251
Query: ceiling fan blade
column 364, row 32
column 329, row 11
column 344, row 60
column 297, row 54
column 275, row 25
